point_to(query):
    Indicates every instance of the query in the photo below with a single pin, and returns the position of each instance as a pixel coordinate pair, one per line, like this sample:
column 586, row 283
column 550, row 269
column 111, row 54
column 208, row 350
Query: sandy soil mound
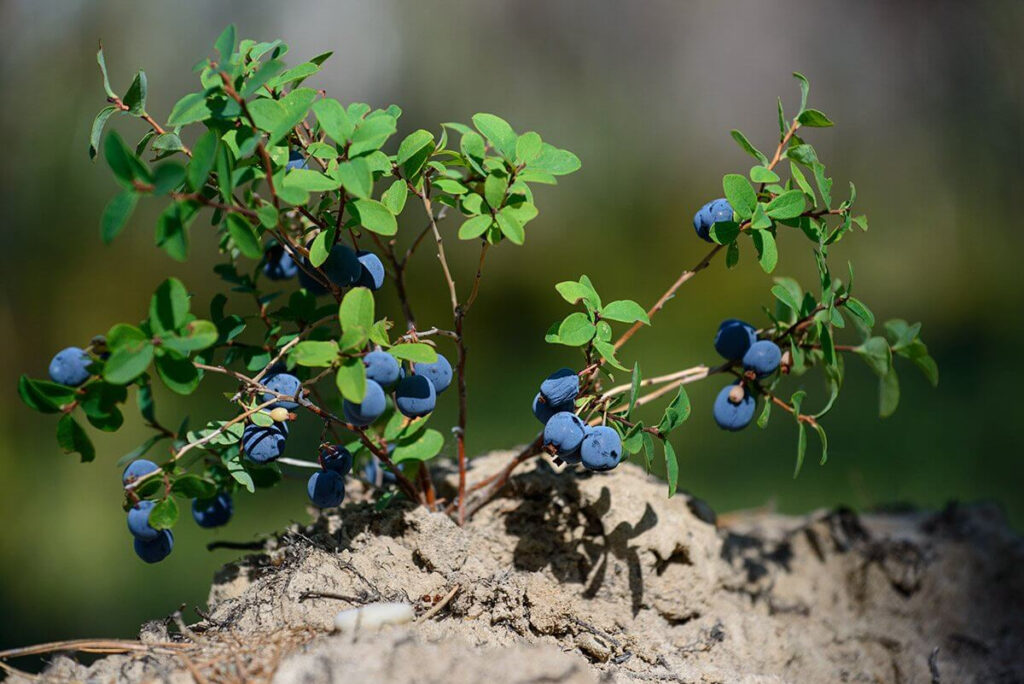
column 577, row 578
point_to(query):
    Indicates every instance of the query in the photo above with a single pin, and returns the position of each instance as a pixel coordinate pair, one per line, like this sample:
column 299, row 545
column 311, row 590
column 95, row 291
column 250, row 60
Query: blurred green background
column 929, row 107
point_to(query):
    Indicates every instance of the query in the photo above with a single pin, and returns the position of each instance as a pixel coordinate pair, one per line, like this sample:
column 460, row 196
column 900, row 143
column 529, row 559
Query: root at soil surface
column 600, row 578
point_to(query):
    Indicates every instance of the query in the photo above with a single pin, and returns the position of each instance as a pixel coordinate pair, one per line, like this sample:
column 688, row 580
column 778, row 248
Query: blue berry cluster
column 326, row 487
column 597, row 448
column 345, row 267
column 737, row 341
column 153, row 545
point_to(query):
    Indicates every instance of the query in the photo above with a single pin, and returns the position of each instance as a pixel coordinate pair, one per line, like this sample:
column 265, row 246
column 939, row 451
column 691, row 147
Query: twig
column 439, row 605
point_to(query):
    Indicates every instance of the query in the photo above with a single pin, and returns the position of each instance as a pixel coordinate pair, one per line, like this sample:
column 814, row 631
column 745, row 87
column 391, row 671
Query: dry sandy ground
column 600, row 578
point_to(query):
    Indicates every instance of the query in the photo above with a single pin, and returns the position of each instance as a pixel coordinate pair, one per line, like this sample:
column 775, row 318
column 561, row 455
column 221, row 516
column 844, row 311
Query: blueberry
column 70, row 367
column 561, row 387
column 601, row 448
column 137, row 469
column 342, row 268
column 439, row 373
column 734, row 338
column 715, row 211
column 326, row 488
column 382, row 368
column 278, row 264
column 337, row 458
column 763, row 358
column 213, row 512
column 296, row 160
column 564, row 432
column 372, row 408
column 264, row 444
column 138, row 521
column 733, row 416
column 282, row 383
column 157, row 549
column 372, row 275
column 415, row 396
column 542, row 409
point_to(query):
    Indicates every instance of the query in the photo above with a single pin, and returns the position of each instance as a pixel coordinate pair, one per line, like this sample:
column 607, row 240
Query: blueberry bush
column 298, row 186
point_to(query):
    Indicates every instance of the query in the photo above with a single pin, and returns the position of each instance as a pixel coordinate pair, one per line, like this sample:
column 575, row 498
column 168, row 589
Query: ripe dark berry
column 762, row 358
column 337, row 458
column 415, row 396
column 326, row 489
column 213, row 512
column 439, row 373
column 157, row 549
column 278, row 264
column 373, row 406
column 561, row 387
column 730, row 414
column 70, row 367
column 372, row 274
column 138, row 521
column 282, row 383
column 137, row 469
column 564, row 432
column 715, row 211
column 382, row 368
column 342, row 268
column 264, row 444
column 601, row 448
column 734, row 338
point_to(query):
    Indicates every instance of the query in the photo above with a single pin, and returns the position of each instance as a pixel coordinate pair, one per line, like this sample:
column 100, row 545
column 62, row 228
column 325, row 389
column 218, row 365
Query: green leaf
column 120, row 159
column 575, row 292
column 355, row 175
column 196, row 336
column 309, row 180
column 786, row 296
column 510, row 226
column 164, row 514
column 189, row 109
column 356, row 309
column 495, row 187
column 179, row 374
column 805, row 88
column 625, row 311
column 789, row 204
column 475, row 227
column 374, row 216
column 732, row 255
column 801, row 448
column 576, row 330
column 72, row 438
column 103, row 70
column 333, row 120
column 607, row 352
column 204, row 153
column 888, row 393
column 876, row 353
column 760, row 174
column 676, row 413
column 528, row 147
column 128, row 361
column 44, row 396
column 423, row 447
column 261, row 76
column 671, row 468
column 225, row 45
column 724, row 232
column 412, row 149
column 239, row 473
column 351, row 380
column 135, row 97
column 767, row 251
column 116, row 214
column 371, row 134
column 745, row 145
column 244, row 236
column 315, row 353
column 97, row 129
column 740, row 194
column 824, row 442
column 860, row 310
column 295, row 106
column 417, row 352
column 192, row 486
column 498, row 132
column 555, row 161
column 814, row 119
column 168, row 307
column 168, row 177
column 395, row 196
